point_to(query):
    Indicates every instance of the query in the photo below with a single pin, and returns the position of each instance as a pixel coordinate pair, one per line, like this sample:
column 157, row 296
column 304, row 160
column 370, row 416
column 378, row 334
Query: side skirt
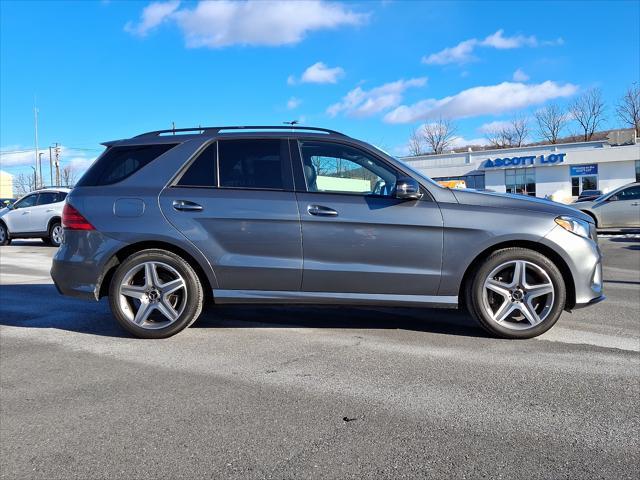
column 332, row 298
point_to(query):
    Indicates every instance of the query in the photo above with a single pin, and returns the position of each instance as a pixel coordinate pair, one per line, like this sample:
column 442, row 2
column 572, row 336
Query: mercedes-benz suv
column 164, row 220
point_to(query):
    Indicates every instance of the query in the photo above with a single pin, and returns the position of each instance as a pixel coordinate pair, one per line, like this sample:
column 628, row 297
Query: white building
column 559, row 171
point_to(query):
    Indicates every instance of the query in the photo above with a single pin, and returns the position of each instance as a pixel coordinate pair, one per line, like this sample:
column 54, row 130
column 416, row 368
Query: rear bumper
column 80, row 263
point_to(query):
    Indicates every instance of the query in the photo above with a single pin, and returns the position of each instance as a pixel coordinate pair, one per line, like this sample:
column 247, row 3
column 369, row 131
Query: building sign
column 577, row 170
column 552, row 159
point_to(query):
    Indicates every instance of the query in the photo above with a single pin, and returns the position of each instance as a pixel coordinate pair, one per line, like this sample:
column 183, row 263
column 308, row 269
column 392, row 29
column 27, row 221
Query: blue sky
column 375, row 70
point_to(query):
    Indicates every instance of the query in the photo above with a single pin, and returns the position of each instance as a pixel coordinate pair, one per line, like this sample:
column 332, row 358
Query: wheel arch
column 118, row 257
column 53, row 219
column 535, row 246
column 592, row 215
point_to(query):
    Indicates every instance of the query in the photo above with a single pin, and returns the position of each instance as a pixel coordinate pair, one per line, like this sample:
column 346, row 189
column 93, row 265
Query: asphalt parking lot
column 293, row 392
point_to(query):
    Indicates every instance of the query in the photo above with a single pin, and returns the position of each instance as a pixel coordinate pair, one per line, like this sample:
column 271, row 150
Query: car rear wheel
column 56, row 235
column 516, row 293
column 4, row 235
column 155, row 294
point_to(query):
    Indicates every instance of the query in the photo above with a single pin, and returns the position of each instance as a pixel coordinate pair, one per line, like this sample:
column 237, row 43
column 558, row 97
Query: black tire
column 53, row 239
column 476, row 305
column 192, row 303
column 5, row 239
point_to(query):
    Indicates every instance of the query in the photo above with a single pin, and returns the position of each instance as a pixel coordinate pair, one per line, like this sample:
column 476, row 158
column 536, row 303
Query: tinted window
column 631, row 193
column 202, row 172
column 61, row 196
column 251, row 164
column 119, row 163
column 332, row 167
column 29, row 201
column 46, row 198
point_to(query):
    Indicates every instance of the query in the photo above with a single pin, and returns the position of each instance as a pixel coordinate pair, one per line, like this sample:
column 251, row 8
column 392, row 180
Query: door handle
column 26, row 212
column 321, row 211
column 635, row 204
column 186, row 206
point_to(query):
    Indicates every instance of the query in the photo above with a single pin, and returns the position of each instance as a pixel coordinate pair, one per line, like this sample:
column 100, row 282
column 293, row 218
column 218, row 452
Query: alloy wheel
column 152, row 295
column 518, row 295
column 57, row 234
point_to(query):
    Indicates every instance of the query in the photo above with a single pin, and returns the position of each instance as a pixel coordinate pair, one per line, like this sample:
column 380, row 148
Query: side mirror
column 408, row 189
column 613, row 198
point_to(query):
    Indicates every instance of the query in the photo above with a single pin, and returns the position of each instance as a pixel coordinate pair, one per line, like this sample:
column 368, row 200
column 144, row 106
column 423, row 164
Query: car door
column 43, row 211
column 235, row 202
column 621, row 209
column 357, row 236
column 18, row 220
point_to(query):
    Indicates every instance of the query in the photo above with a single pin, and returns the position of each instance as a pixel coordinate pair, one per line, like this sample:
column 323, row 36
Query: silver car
column 165, row 220
column 619, row 208
column 36, row 215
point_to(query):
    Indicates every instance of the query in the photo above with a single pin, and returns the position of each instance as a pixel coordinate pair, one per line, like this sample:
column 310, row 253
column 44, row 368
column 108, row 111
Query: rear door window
column 45, row 198
column 253, row 163
column 202, row 171
column 118, row 163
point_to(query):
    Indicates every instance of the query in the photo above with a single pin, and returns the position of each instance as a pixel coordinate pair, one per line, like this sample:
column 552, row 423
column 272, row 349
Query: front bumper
column 584, row 259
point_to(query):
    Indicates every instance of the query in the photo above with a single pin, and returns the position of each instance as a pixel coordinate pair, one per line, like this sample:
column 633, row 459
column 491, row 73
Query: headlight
column 573, row 225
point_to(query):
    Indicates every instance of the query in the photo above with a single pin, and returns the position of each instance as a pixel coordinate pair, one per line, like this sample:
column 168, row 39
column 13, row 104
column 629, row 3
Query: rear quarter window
column 118, row 163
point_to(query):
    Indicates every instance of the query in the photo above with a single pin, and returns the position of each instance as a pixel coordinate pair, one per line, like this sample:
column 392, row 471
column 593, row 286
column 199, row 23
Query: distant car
column 36, row 215
column 617, row 209
column 588, row 195
column 4, row 202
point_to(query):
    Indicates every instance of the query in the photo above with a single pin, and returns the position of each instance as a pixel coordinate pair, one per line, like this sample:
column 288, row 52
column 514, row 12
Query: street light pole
column 35, row 115
column 50, row 166
column 40, row 167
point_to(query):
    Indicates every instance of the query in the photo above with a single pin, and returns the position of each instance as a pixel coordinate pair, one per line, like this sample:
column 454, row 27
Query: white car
column 36, row 215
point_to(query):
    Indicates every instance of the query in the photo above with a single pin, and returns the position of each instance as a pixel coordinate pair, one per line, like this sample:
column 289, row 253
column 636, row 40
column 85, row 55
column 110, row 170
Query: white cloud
column 293, row 103
column 459, row 142
column 152, row 16
column 320, row 73
column 520, row 76
column 364, row 103
column 482, row 100
column 494, row 126
column 251, row 22
column 463, row 52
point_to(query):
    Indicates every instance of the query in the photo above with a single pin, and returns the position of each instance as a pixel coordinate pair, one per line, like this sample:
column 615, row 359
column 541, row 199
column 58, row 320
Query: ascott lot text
column 281, row 392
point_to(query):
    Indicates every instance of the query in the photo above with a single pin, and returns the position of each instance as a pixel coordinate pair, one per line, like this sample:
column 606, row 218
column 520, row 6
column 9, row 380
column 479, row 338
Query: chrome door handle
column 186, row 206
column 50, row 210
column 635, row 204
column 321, row 211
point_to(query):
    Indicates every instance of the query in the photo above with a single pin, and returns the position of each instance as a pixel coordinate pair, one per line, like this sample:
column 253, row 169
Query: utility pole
column 50, row 166
column 57, row 151
column 40, row 167
column 35, row 114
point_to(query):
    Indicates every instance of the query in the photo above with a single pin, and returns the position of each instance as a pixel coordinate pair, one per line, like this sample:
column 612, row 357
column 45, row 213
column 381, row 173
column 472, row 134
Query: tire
column 152, row 305
column 55, row 235
column 5, row 239
column 520, row 307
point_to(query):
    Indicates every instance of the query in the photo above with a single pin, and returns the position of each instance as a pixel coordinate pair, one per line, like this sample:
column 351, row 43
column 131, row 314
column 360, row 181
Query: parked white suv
column 36, row 215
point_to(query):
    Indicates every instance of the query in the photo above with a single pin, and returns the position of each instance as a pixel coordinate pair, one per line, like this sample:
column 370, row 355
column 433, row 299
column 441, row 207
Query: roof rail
column 216, row 130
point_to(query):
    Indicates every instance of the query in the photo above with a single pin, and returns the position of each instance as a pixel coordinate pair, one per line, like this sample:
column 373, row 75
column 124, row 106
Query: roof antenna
column 173, row 127
column 293, row 123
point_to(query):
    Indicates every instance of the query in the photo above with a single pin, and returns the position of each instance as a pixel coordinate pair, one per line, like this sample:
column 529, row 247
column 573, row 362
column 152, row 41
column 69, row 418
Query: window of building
column 202, row 171
column 583, row 182
column 333, row 167
column 474, row 181
column 637, row 170
column 521, row 181
column 251, row 164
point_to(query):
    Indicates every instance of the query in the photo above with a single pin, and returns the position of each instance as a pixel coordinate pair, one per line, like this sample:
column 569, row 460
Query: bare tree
column 589, row 111
column 513, row 134
column 628, row 108
column 416, row 143
column 67, row 177
column 439, row 135
column 551, row 120
column 24, row 183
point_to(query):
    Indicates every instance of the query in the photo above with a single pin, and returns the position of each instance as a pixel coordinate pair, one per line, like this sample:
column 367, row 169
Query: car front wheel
column 155, row 294
column 4, row 235
column 516, row 293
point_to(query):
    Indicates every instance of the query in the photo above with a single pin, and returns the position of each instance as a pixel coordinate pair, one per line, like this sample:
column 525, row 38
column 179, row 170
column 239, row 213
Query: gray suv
column 163, row 221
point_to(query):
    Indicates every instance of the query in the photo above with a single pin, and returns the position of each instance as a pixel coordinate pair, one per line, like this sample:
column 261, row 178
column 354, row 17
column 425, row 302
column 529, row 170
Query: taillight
column 73, row 220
